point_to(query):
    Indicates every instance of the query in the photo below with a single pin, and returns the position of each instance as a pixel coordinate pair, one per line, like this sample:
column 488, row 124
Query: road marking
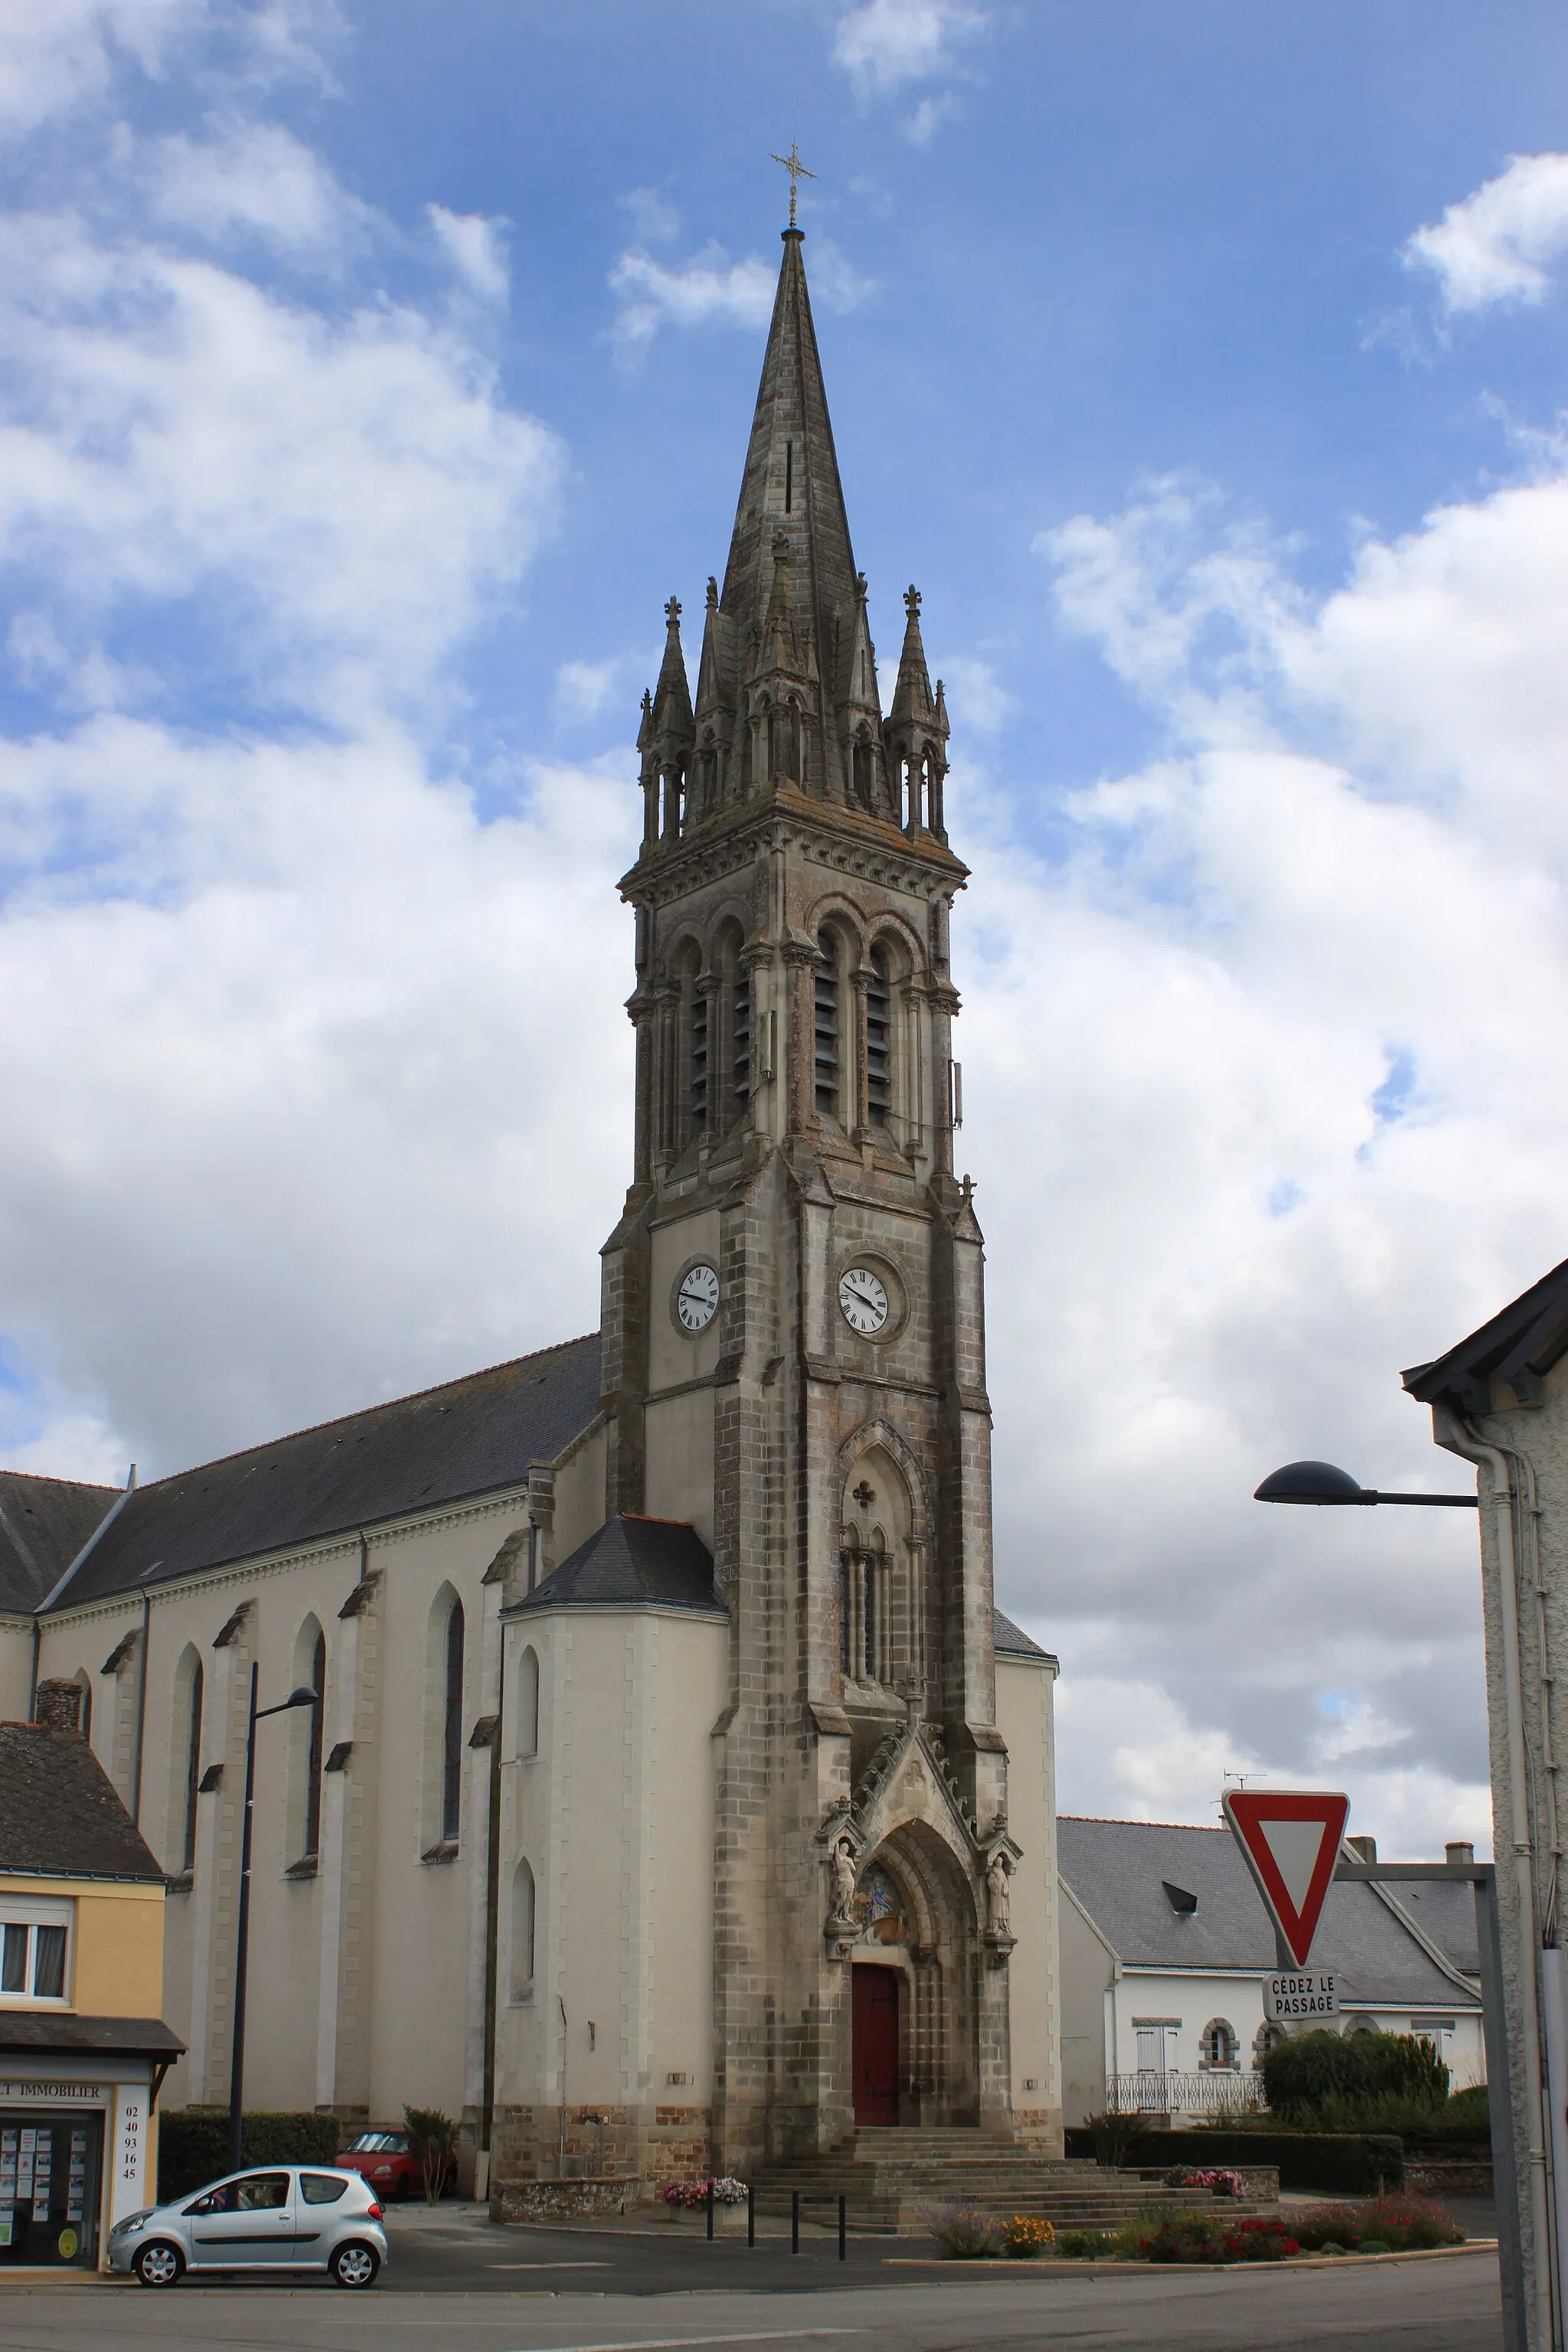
column 683, row 2343
column 549, row 2267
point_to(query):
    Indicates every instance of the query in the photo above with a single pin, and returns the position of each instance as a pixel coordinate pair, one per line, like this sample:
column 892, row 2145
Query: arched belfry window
column 879, row 1039
column 828, row 1025
column 452, row 1725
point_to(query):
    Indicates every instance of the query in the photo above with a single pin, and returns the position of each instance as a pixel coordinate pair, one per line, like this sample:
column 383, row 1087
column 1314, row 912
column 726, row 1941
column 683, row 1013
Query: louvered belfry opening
column 741, row 1039
column 699, row 1034
column 827, row 1025
column 878, row 1039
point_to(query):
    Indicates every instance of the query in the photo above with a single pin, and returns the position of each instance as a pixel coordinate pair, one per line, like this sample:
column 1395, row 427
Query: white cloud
column 1268, row 1035
column 927, row 119
column 60, row 55
column 711, row 288
column 1501, row 244
column 884, row 44
column 978, row 701
column 255, row 179
column 346, row 493
column 475, row 249
column 654, row 217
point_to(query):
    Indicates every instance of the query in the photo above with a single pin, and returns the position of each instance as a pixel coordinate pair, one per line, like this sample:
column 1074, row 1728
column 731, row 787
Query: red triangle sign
column 1290, row 1838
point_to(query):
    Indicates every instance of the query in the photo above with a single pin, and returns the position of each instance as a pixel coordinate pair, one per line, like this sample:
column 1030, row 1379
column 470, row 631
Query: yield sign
column 1290, row 1838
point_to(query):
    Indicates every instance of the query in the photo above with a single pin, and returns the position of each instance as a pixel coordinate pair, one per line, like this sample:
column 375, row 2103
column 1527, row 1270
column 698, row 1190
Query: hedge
column 193, row 2144
column 1357, row 2164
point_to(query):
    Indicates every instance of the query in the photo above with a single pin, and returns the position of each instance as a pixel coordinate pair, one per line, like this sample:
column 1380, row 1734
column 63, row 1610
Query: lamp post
column 300, row 1697
column 1320, row 1483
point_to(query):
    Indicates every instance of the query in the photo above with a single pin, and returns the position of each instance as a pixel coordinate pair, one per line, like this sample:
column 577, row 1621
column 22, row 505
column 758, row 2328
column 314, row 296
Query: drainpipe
column 140, row 1707
column 1459, row 1434
column 492, row 1912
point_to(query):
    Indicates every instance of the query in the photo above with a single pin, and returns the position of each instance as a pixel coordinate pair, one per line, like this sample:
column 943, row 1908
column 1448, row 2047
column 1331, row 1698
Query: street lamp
column 1320, row 1482
column 300, row 1697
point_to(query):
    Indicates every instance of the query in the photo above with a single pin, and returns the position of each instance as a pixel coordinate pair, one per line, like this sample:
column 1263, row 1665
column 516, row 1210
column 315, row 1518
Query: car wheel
column 159, row 2265
column 356, row 2264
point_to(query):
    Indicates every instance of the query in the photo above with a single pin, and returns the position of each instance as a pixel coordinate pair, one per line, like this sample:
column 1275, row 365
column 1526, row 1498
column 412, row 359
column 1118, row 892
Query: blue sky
column 371, row 377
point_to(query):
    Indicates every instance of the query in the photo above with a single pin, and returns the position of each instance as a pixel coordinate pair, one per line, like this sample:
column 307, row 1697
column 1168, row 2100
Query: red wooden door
column 875, row 2045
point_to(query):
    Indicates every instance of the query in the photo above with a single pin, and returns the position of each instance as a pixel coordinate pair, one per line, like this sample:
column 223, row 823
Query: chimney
column 1363, row 1848
column 58, row 1708
column 1458, row 1850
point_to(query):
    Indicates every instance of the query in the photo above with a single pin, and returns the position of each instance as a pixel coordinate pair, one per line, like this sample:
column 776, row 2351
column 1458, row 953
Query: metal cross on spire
column 797, row 172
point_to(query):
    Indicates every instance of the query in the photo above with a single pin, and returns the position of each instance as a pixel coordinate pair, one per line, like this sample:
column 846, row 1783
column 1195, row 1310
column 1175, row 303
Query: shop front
column 78, row 2142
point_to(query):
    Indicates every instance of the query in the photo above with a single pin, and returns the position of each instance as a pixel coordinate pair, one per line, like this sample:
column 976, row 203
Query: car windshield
column 379, row 2144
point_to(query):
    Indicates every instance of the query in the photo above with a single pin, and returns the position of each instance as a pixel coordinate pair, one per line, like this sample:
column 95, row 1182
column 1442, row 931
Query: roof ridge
column 47, row 1478
column 362, row 1413
column 1121, row 1822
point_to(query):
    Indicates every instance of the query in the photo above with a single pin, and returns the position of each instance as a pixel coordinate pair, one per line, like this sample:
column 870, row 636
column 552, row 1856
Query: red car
column 386, row 2158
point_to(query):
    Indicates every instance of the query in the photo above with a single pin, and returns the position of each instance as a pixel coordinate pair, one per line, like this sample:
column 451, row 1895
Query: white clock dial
column 697, row 1300
column 863, row 1300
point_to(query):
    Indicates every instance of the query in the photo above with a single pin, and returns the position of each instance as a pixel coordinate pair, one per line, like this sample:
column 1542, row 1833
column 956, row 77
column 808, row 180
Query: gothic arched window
column 828, row 1027
column 864, row 771
column 527, row 1704
column 524, row 1907
column 452, row 1725
column 304, row 1763
column 186, row 1749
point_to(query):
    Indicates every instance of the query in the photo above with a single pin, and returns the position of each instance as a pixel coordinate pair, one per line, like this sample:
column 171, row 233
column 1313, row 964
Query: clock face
column 863, row 1300
column 697, row 1300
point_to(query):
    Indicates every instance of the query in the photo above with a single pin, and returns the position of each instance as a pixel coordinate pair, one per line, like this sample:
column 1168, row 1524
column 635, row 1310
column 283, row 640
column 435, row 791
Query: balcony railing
column 1213, row 2091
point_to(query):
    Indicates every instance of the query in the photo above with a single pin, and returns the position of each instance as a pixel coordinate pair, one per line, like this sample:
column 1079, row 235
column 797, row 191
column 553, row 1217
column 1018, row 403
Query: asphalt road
column 613, row 2292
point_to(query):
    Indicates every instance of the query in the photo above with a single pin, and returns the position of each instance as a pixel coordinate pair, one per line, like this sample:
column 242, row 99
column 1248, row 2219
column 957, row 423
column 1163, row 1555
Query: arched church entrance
column 875, row 2035
column 913, row 2022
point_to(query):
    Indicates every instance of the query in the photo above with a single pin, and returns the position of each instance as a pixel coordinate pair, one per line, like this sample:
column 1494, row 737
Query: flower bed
column 727, row 2190
column 1222, row 2182
column 1394, row 2225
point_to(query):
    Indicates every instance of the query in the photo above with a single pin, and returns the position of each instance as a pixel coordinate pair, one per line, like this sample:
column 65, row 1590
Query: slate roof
column 60, row 1814
column 632, row 1562
column 467, row 1437
column 37, row 2028
column 44, row 1523
column 1012, row 1640
column 1520, row 1344
column 1115, row 1871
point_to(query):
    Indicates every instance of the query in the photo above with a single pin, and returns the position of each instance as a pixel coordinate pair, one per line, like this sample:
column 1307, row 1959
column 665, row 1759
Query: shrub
column 1348, row 2164
column 1177, row 2237
column 1084, row 2245
column 193, row 2144
column 1373, row 2246
column 964, row 2233
column 1331, row 2246
column 1258, row 2239
column 434, row 2137
column 1353, row 2080
column 1393, row 2225
column 1027, row 2236
column 1113, row 2137
column 727, row 2190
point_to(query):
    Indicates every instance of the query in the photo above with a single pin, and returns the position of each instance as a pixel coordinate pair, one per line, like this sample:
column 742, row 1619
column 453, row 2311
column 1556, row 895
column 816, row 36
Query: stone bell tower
column 794, row 1320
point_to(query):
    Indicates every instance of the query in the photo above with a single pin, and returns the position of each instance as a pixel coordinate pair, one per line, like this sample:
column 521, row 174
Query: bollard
column 842, row 2203
column 710, row 2209
column 751, row 2214
column 795, row 2221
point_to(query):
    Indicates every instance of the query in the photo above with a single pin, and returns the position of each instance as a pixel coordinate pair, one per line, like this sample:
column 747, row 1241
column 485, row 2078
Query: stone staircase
column 889, row 2177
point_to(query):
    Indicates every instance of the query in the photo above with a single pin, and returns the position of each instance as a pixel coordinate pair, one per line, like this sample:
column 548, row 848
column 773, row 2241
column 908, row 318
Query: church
column 676, row 1798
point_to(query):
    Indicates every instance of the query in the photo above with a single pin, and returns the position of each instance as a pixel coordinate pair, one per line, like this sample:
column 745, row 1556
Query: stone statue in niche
column 843, row 1865
column 997, row 1894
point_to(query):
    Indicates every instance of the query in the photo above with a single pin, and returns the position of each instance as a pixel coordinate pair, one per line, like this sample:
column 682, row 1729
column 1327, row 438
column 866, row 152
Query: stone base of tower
column 644, row 2146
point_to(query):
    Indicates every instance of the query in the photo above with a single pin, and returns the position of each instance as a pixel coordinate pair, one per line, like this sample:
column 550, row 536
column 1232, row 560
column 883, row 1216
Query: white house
column 1164, row 1945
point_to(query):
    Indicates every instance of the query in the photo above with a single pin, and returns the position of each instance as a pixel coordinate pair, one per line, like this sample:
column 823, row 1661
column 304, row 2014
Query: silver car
column 285, row 2217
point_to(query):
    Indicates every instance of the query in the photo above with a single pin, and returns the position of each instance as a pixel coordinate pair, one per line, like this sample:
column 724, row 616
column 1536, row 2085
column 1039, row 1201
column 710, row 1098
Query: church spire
column 790, row 483
column 916, row 732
